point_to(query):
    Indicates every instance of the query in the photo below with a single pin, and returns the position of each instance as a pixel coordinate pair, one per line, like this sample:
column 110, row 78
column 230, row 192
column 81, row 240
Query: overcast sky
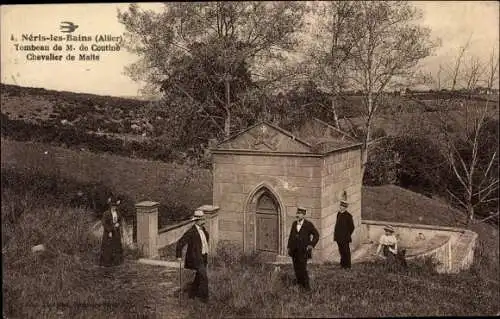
column 453, row 22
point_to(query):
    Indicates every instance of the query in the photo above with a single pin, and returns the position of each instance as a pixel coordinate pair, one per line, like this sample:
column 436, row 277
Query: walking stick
column 180, row 281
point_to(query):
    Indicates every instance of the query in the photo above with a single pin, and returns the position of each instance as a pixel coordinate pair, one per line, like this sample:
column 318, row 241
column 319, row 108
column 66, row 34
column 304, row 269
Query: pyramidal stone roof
column 314, row 137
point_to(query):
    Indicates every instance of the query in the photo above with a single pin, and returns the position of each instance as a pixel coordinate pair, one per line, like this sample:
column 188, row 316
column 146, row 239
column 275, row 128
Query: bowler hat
column 301, row 210
column 198, row 214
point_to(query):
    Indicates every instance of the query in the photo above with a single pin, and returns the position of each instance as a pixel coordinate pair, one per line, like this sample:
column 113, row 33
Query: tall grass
column 63, row 279
column 244, row 288
column 29, row 221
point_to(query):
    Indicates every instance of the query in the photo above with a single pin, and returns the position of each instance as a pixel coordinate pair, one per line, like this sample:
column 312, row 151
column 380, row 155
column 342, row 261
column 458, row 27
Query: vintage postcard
column 267, row 159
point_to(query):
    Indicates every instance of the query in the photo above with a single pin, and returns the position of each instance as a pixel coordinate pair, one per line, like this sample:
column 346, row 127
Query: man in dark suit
column 196, row 239
column 303, row 238
column 342, row 234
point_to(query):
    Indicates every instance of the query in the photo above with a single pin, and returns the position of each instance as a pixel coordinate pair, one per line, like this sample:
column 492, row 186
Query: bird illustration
column 68, row 27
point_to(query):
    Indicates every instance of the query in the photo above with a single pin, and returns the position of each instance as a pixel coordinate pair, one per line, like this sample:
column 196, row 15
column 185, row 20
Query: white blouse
column 389, row 240
column 114, row 215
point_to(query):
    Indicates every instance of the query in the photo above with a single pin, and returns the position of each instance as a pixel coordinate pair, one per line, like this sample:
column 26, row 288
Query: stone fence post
column 147, row 228
column 212, row 226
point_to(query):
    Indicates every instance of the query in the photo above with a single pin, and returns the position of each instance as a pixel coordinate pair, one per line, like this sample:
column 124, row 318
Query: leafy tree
column 215, row 44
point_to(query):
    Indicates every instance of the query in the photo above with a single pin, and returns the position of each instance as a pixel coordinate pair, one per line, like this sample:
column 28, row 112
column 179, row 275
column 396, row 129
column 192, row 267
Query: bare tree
column 331, row 48
column 390, row 46
column 473, row 159
column 492, row 70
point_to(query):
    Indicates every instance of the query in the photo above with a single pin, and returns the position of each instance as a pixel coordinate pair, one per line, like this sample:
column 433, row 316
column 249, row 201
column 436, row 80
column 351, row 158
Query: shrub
column 382, row 165
column 422, row 166
column 412, row 162
column 54, row 133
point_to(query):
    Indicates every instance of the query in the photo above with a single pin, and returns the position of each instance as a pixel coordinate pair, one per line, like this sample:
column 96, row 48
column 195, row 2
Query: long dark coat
column 298, row 242
column 343, row 227
column 192, row 239
column 111, row 249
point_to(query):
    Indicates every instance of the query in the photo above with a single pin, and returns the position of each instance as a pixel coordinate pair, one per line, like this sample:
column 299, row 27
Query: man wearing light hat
column 342, row 234
column 300, row 245
column 196, row 239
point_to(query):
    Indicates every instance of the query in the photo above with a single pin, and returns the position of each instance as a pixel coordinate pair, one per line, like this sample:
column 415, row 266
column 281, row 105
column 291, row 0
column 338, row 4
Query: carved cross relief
column 265, row 138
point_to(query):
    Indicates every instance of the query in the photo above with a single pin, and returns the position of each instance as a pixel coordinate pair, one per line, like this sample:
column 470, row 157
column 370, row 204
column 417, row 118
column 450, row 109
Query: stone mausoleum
column 262, row 174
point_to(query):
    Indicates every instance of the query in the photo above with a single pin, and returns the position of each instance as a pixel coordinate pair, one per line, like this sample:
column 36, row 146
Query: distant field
column 126, row 118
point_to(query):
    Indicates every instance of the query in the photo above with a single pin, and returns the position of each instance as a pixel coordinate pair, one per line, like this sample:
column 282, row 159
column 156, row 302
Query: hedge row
column 76, row 138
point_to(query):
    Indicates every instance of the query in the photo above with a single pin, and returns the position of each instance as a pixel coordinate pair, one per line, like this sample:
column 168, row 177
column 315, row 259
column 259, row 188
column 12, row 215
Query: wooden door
column 267, row 224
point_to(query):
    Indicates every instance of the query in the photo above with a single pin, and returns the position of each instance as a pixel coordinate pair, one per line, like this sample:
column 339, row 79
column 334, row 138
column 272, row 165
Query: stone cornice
column 291, row 154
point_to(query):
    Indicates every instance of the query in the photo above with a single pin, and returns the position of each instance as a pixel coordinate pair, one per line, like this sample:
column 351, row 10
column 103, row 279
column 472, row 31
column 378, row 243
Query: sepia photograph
column 250, row 159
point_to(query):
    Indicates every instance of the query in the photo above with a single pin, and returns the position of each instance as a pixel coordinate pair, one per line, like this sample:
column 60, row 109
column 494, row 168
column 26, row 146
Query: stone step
column 281, row 260
column 164, row 263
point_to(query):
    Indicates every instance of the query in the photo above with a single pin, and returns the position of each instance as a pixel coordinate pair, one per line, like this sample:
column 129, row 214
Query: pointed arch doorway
column 264, row 224
column 267, row 224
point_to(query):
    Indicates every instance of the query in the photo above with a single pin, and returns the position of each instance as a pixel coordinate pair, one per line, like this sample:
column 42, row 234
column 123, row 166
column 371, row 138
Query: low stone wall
column 453, row 248
column 172, row 233
column 410, row 235
column 150, row 239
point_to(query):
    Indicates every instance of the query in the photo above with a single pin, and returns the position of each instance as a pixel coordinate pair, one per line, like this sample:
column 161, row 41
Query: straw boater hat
column 389, row 228
column 198, row 214
column 301, row 210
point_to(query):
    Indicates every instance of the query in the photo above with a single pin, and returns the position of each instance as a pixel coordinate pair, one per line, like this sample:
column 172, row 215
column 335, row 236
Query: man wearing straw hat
column 303, row 238
column 342, row 234
column 196, row 239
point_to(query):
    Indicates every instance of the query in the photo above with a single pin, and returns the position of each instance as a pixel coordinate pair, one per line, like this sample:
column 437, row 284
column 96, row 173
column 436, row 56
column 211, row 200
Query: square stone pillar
column 147, row 228
column 212, row 226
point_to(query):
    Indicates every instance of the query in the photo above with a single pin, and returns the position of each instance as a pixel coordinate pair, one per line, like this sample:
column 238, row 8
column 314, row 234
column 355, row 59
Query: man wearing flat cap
column 303, row 238
column 196, row 239
column 342, row 234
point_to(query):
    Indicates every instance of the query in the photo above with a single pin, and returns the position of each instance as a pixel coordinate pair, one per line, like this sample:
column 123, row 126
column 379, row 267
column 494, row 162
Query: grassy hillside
column 170, row 184
column 86, row 112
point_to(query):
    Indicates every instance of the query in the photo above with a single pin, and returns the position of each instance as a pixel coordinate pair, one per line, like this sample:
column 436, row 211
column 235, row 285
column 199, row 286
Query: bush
column 422, row 166
column 55, row 134
column 382, row 165
column 411, row 162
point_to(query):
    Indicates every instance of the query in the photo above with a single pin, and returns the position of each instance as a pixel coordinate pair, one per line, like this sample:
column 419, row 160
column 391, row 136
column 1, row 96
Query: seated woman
column 388, row 244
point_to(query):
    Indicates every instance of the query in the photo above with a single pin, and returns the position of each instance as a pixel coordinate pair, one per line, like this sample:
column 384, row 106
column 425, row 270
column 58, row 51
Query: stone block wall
column 340, row 171
column 150, row 239
column 294, row 181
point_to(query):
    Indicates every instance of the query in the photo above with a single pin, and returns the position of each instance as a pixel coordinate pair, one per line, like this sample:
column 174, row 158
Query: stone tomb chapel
column 262, row 174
